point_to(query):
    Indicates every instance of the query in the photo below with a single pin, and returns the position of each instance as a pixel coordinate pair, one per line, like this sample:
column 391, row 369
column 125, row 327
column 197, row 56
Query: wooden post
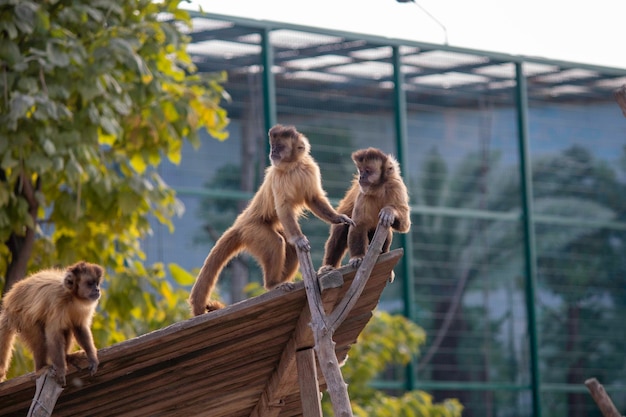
column 323, row 328
column 46, row 395
column 606, row 406
column 307, row 379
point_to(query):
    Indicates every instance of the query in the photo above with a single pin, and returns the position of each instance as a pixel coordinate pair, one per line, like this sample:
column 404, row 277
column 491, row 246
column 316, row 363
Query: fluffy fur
column 48, row 310
column 268, row 228
column 377, row 194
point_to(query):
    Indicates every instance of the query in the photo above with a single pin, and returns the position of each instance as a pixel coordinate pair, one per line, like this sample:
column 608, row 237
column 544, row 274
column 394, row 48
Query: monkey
column 268, row 227
column 48, row 310
column 377, row 195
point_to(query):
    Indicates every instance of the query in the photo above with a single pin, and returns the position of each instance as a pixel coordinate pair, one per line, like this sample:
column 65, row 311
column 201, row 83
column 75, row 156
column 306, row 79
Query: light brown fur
column 48, row 310
column 268, row 228
column 377, row 194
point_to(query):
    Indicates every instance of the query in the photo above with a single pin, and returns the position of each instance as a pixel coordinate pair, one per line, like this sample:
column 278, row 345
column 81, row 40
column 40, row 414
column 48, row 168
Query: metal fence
column 516, row 167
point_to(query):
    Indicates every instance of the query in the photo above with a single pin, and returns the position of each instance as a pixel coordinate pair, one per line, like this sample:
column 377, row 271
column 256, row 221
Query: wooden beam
column 283, row 380
column 323, row 327
column 307, row 380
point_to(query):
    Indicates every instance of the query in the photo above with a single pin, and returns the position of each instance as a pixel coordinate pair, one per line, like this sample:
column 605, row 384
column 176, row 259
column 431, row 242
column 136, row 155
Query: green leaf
column 49, row 147
column 56, row 55
column 180, row 275
column 9, row 51
column 25, row 17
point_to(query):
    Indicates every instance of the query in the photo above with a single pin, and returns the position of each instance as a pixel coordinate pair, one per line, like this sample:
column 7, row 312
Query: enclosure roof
column 227, row 363
column 307, row 57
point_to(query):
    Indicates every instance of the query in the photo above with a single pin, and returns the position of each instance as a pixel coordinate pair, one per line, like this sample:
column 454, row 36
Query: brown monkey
column 268, row 228
column 48, row 310
column 377, row 194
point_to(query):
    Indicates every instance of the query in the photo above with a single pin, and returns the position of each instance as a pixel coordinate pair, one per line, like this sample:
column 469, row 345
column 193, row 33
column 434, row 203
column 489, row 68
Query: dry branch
column 606, row 406
column 46, row 395
column 324, row 328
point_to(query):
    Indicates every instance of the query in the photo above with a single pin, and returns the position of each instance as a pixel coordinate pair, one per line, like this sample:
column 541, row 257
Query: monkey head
column 287, row 144
column 374, row 167
column 83, row 281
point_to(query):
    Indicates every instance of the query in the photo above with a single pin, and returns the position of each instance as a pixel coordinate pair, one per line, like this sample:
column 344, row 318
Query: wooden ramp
column 235, row 362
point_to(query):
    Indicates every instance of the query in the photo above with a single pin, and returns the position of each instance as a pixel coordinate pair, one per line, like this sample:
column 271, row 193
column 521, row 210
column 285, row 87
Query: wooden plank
column 307, row 380
column 188, row 368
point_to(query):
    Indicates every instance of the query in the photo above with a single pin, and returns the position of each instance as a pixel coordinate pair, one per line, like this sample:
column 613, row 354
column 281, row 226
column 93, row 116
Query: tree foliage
column 93, row 96
column 388, row 339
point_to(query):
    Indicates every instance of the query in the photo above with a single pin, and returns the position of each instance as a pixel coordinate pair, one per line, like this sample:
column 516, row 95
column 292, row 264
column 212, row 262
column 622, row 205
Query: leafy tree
column 93, row 96
column 571, row 184
column 388, row 339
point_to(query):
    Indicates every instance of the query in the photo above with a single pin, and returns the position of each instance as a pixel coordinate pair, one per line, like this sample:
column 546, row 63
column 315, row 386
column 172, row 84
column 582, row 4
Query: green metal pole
column 269, row 85
column 529, row 235
column 400, row 115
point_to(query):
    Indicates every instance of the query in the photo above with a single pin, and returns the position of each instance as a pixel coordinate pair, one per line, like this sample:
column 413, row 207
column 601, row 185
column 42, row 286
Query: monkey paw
column 93, row 367
column 324, row 269
column 285, row 286
column 386, row 216
column 355, row 262
column 303, row 244
column 345, row 220
column 58, row 375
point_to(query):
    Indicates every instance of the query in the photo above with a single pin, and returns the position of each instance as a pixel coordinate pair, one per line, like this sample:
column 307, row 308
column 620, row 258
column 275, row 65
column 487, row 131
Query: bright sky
column 578, row 31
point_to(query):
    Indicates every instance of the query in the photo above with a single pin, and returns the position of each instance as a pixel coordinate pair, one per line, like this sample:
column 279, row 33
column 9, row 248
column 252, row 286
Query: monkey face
column 280, row 150
column 88, row 289
column 369, row 174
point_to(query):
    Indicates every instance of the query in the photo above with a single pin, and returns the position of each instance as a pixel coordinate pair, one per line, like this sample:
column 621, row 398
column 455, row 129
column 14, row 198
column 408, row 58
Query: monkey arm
column 56, row 345
column 322, row 209
column 83, row 336
column 289, row 220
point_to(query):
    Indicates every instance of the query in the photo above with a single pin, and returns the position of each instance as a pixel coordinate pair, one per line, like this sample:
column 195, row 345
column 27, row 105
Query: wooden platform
column 235, row 362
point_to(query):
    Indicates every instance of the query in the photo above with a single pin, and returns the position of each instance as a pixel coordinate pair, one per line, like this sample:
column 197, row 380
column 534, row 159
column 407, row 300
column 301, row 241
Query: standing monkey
column 377, row 194
column 48, row 310
column 268, row 228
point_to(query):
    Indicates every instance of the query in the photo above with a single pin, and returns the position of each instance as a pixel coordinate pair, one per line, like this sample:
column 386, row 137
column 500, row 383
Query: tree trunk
column 21, row 245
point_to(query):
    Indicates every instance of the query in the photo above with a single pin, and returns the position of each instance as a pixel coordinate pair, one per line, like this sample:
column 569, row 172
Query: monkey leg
column 357, row 242
column 291, row 263
column 336, row 246
column 35, row 339
column 269, row 247
column 56, row 345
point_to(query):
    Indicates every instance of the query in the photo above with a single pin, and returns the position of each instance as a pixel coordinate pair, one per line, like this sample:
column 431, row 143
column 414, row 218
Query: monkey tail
column 7, row 337
column 226, row 247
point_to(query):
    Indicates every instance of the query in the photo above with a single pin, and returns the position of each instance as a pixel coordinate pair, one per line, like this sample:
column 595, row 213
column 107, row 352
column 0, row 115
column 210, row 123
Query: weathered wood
column 307, row 380
column 324, row 326
column 214, row 365
column 46, row 395
column 620, row 97
column 283, row 380
column 363, row 273
column 606, row 406
column 324, row 344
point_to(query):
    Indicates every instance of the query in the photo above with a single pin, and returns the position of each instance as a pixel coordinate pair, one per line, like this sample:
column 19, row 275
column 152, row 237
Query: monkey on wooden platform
column 268, row 228
column 48, row 310
column 378, row 194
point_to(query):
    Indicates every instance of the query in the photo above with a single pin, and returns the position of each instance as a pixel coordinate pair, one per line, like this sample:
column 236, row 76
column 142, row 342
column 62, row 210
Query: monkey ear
column 69, row 280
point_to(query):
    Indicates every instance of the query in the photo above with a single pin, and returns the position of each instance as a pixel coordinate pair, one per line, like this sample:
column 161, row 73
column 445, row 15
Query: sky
column 568, row 30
